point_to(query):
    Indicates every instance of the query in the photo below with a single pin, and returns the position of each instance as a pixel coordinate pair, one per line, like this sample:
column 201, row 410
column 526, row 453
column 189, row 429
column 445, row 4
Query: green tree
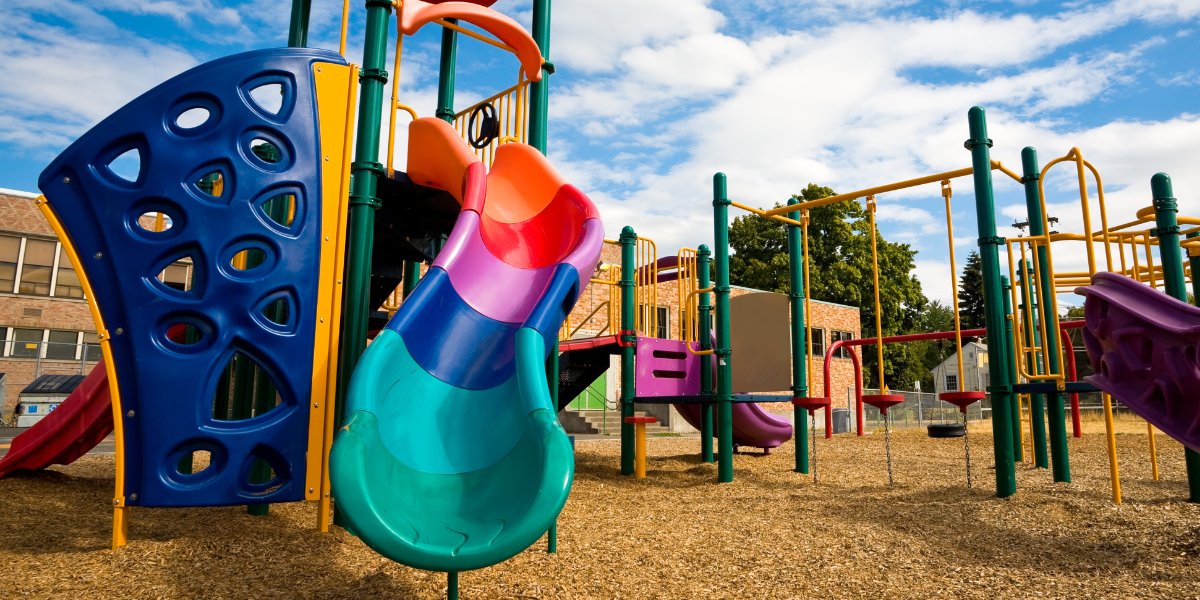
column 935, row 317
column 840, row 271
column 970, row 293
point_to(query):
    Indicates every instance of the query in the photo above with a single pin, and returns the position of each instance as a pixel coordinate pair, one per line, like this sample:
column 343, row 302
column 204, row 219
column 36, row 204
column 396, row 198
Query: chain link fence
column 922, row 408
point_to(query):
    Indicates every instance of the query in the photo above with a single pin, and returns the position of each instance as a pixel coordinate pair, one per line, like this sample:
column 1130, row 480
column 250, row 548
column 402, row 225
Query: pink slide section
column 83, row 420
column 753, row 427
column 1146, row 349
column 666, row 369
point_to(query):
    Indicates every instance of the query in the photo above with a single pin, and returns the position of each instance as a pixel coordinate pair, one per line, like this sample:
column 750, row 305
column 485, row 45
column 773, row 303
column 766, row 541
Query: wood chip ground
column 770, row 534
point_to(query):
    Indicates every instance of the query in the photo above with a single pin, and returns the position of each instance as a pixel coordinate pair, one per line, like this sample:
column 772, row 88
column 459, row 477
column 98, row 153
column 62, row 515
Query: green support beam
column 365, row 171
column 628, row 338
column 1170, row 254
column 999, row 367
column 1060, row 462
column 703, row 264
column 446, row 69
column 539, row 91
column 799, row 365
column 723, row 350
column 298, row 27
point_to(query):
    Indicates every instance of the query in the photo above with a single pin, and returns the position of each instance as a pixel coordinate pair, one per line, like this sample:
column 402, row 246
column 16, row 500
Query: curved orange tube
column 416, row 13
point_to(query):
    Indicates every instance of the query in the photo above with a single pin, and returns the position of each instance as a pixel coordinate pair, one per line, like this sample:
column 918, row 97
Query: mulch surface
column 770, row 534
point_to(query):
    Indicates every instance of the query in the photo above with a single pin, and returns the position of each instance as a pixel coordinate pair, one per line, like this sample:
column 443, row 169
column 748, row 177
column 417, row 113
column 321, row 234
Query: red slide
column 83, row 420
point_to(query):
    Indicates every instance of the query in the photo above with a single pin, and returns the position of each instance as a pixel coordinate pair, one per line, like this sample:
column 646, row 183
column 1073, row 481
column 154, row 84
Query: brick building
column 45, row 323
column 831, row 322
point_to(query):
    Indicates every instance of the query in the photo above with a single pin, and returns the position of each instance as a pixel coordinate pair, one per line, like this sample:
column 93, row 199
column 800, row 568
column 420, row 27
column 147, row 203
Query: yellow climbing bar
column 889, row 187
column 766, row 213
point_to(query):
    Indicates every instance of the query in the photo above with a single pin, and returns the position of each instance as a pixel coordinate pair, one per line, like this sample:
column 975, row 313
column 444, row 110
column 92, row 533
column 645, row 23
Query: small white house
column 975, row 371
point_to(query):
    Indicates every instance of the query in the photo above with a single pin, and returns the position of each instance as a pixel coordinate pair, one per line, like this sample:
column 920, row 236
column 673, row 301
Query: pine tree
column 970, row 293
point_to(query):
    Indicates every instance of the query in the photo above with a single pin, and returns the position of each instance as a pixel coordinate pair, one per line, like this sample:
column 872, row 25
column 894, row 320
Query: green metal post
column 446, row 68
column 412, row 276
column 999, row 369
column 539, row 91
column 1037, row 402
column 1060, row 462
column 799, row 365
column 628, row 338
column 298, row 28
column 1015, row 412
column 1171, row 256
column 723, row 351
column 366, row 171
column 452, row 585
column 703, row 264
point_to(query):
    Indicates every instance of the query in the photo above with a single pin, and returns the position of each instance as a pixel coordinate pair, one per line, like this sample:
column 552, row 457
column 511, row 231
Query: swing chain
column 967, row 446
column 887, row 443
column 813, row 416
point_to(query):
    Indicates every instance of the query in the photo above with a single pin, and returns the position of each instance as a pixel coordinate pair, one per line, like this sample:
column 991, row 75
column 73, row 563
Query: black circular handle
column 489, row 126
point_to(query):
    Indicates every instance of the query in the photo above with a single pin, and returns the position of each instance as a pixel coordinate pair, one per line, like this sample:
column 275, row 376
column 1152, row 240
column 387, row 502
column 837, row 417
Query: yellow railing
column 512, row 110
column 1024, row 296
column 689, row 301
column 645, row 290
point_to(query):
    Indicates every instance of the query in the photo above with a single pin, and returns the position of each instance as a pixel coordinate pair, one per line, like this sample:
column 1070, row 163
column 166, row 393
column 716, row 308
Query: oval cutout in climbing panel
column 156, row 219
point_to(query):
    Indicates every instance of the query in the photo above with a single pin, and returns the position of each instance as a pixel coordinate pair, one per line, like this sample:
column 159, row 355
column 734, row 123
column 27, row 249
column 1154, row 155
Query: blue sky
column 651, row 98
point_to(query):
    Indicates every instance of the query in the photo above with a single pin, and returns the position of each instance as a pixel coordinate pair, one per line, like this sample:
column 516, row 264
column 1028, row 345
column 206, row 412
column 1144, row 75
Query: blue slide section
column 199, row 142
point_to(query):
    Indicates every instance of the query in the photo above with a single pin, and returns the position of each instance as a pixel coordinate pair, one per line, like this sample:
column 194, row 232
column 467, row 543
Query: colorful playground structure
column 438, row 444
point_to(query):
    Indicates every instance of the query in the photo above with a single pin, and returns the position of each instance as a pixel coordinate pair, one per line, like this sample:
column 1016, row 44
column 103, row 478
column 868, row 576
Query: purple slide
column 666, row 368
column 1146, row 349
column 752, row 426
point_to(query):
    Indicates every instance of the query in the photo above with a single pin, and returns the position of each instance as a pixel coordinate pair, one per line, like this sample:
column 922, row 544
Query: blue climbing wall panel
column 212, row 122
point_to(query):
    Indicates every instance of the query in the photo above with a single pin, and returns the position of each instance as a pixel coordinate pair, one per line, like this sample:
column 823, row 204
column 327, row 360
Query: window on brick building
column 24, row 343
column 840, row 336
column 37, row 268
column 67, row 284
column 61, row 345
column 663, row 327
column 91, row 346
column 10, row 250
column 818, row 342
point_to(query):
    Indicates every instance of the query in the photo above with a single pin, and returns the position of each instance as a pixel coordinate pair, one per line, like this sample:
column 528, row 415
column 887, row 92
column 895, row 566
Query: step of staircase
column 599, row 421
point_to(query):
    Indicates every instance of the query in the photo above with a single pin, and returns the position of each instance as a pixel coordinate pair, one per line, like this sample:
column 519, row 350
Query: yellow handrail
column 345, row 26
column 685, row 282
column 688, row 343
column 588, row 318
column 511, row 107
column 395, row 104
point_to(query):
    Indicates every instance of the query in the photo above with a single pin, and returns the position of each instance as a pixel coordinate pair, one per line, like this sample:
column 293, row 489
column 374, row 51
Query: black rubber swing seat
column 946, row 430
